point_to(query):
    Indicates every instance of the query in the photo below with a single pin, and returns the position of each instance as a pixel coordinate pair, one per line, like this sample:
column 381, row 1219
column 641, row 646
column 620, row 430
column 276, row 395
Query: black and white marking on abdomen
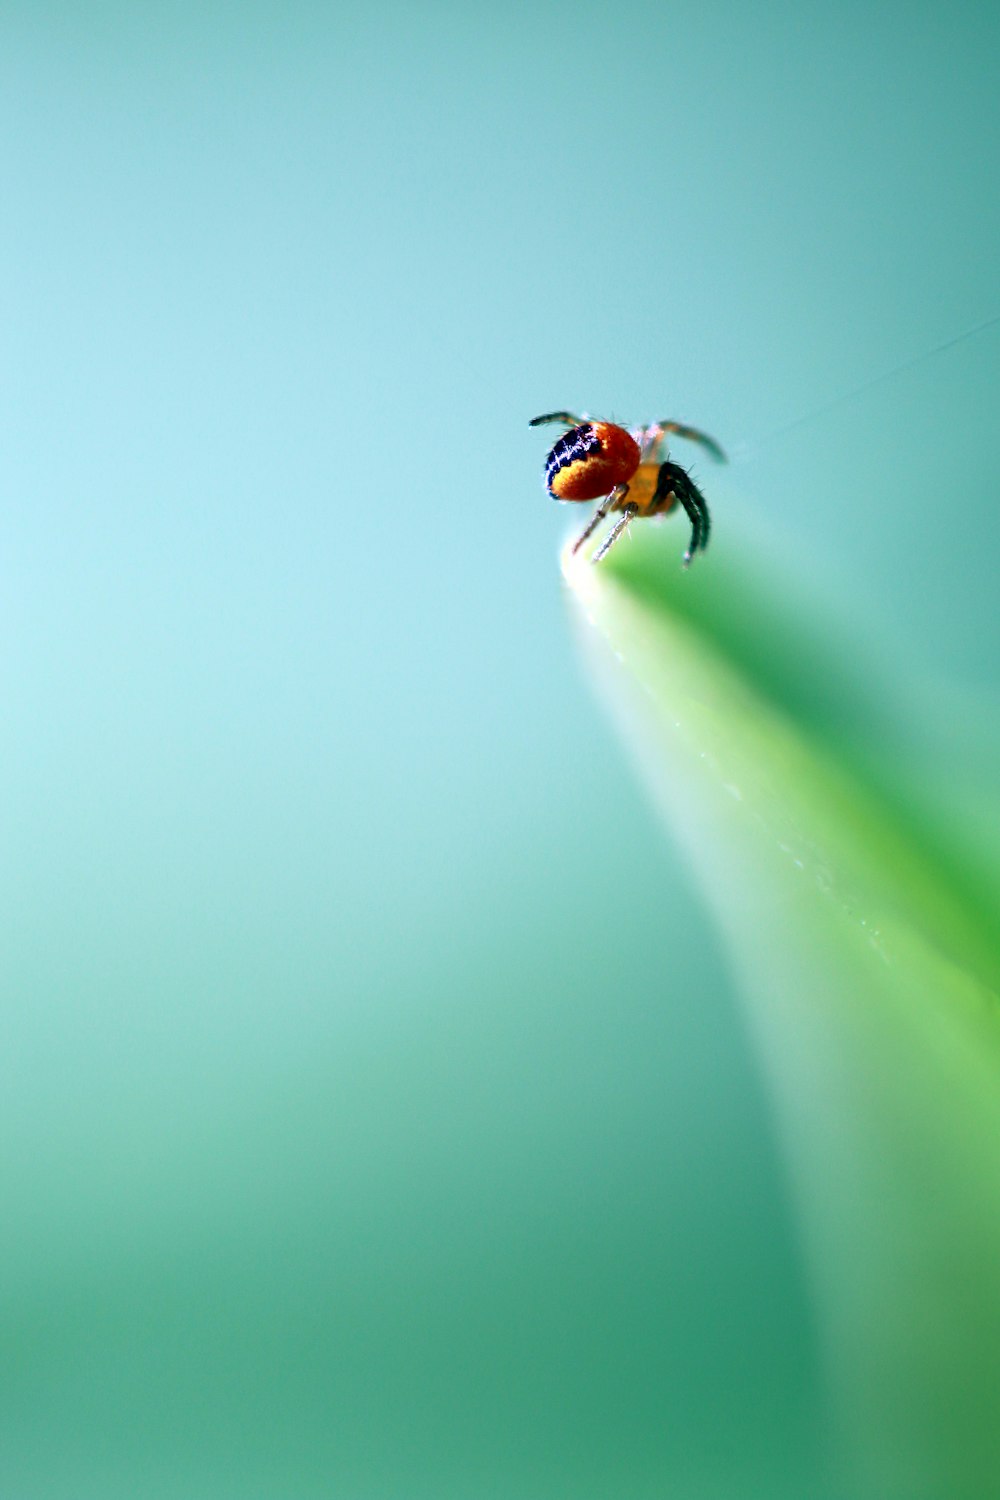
column 574, row 445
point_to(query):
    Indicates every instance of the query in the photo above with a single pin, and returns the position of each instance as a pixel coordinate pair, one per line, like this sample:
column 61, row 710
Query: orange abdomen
column 590, row 460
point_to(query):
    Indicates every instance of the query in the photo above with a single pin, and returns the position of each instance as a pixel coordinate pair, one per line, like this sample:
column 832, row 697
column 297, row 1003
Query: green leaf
column 866, row 942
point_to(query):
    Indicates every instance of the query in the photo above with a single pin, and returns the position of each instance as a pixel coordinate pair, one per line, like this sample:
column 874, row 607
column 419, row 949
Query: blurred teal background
column 378, row 1117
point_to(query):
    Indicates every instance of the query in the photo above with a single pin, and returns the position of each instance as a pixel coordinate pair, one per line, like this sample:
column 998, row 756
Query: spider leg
column 617, row 494
column 649, row 440
column 696, row 437
column 628, row 513
column 565, row 417
column 674, row 480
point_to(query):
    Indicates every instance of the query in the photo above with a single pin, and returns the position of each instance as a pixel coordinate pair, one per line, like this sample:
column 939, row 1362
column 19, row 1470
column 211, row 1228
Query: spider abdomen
column 590, row 460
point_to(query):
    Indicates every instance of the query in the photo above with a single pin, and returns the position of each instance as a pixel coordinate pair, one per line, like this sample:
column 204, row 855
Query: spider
column 630, row 470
